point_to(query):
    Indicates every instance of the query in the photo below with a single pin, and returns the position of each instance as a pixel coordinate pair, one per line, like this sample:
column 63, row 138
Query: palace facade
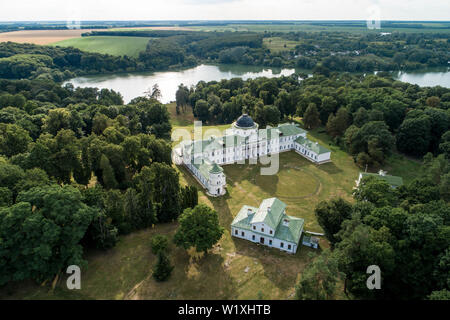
column 243, row 141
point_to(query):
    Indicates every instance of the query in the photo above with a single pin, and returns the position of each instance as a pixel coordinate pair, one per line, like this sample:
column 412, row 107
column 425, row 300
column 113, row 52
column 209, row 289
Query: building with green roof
column 268, row 225
column 243, row 141
column 393, row 181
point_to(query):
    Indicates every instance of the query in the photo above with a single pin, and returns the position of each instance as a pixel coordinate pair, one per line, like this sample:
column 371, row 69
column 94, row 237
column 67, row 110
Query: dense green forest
column 337, row 51
column 55, row 142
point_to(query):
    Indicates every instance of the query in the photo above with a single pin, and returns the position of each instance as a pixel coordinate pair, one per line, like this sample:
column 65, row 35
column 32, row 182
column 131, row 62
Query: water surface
column 132, row 85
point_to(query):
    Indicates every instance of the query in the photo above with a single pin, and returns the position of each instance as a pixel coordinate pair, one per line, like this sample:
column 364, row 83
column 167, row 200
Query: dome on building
column 245, row 121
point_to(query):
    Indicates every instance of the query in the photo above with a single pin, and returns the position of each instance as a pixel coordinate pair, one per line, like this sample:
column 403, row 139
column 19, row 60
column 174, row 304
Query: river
column 132, row 85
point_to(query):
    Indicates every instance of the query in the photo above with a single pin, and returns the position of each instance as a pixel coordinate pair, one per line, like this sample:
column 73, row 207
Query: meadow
column 277, row 44
column 116, row 46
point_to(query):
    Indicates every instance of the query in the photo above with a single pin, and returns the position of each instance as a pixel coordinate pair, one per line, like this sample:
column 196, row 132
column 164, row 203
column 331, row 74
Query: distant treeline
column 28, row 61
column 335, row 51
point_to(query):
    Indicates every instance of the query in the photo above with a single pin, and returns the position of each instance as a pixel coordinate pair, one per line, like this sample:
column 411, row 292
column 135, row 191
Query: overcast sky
column 223, row 9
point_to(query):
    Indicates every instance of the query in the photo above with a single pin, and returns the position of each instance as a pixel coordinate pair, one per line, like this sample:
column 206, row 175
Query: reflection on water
column 135, row 84
column 426, row 78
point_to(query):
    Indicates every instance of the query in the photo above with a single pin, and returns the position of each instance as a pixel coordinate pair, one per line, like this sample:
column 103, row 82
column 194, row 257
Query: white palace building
column 244, row 140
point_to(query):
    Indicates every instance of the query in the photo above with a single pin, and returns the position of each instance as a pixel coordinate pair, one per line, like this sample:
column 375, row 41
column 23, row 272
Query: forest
column 55, row 142
column 337, row 51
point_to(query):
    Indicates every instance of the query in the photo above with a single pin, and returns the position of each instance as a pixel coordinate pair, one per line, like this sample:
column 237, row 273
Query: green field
column 277, row 44
column 124, row 272
column 116, row 46
column 307, row 27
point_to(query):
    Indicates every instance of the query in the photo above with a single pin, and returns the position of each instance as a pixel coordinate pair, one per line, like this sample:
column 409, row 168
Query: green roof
column 205, row 167
column 391, row 180
column 290, row 129
column 215, row 168
column 313, row 146
column 270, row 217
column 292, row 232
column 249, row 215
column 243, row 219
column 207, row 145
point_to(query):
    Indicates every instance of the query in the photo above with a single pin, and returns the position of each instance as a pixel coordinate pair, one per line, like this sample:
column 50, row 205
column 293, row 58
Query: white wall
column 256, row 238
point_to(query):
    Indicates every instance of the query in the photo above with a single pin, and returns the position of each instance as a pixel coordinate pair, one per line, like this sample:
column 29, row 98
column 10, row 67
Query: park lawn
column 116, row 46
column 277, row 44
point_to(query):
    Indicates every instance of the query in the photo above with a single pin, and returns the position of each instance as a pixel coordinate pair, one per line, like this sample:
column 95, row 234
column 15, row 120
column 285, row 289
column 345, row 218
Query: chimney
column 286, row 222
column 249, row 212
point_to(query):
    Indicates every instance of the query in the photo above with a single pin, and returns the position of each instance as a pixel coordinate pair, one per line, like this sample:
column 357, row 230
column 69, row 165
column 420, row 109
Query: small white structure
column 244, row 140
column 268, row 225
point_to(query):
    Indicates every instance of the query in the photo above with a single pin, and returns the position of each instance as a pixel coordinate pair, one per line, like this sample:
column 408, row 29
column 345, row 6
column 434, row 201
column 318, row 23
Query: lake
column 425, row 78
column 132, row 85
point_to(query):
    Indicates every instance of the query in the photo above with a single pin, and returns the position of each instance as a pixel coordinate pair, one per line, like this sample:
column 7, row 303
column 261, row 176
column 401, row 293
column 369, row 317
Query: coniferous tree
column 163, row 269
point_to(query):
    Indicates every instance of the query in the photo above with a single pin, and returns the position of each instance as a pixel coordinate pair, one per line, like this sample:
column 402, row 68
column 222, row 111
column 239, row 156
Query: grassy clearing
column 182, row 119
column 277, row 44
column 116, row 46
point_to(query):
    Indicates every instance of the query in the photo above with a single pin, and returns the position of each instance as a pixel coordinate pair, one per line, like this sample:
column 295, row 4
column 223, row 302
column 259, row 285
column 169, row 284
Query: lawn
column 277, row 44
column 116, row 46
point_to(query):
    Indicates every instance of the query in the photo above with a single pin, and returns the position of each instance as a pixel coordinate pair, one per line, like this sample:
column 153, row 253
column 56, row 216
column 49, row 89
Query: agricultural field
column 41, row 37
column 116, row 46
column 298, row 27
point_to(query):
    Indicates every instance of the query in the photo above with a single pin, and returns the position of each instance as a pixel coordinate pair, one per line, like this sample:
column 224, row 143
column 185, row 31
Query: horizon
column 227, row 20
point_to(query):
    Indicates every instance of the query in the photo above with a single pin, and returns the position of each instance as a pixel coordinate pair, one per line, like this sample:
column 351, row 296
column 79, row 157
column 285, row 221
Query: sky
column 79, row 10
